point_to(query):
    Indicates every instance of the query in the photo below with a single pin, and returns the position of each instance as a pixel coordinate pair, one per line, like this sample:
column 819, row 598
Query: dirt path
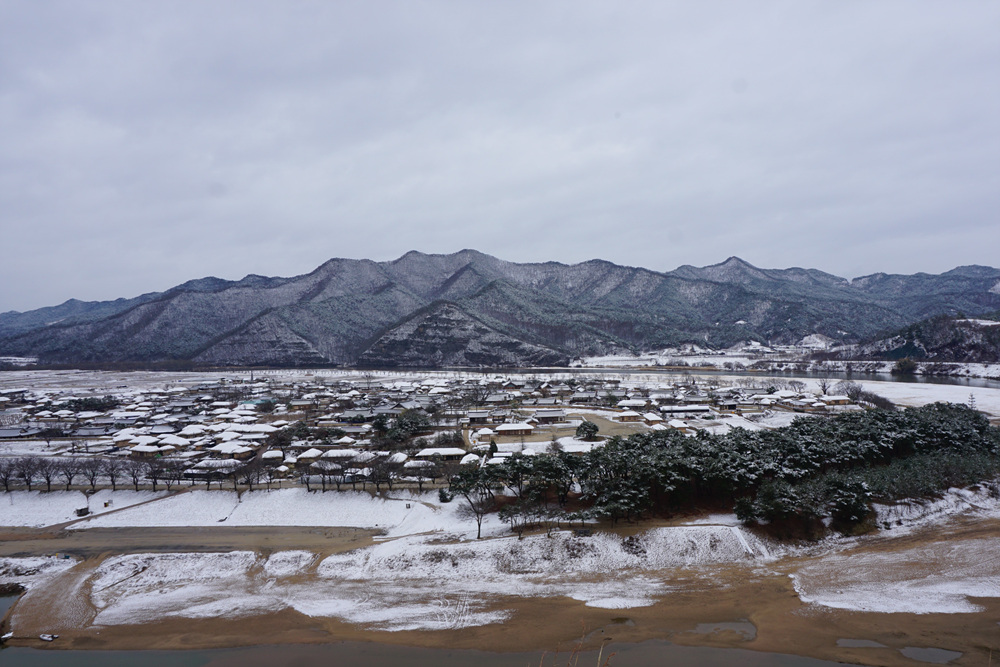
column 96, row 541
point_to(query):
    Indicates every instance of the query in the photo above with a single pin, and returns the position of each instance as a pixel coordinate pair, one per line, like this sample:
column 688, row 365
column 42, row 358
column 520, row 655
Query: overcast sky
column 143, row 144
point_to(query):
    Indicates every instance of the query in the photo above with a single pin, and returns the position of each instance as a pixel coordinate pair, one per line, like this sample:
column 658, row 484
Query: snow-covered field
column 36, row 509
column 907, row 394
column 396, row 513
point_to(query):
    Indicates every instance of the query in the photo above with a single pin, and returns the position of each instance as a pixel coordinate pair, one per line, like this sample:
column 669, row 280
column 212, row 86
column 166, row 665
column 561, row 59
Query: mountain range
column 471, row 309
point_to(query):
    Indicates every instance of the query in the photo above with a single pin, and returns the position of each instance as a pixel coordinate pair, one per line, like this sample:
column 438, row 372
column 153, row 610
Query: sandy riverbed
column 751, row 603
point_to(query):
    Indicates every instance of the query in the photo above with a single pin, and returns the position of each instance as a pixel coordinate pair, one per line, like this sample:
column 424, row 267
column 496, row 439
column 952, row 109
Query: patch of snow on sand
column 982, row 500
column 542, row 566
column 145, row 587
column 140, row 587
column 619, row 603
column 30, row 571
column 288, row 563
column 938, row 578
column 409, row 583
column 36, row 509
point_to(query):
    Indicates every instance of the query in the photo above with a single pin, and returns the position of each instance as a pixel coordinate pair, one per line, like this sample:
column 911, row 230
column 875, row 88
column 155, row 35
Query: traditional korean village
column 335, row 429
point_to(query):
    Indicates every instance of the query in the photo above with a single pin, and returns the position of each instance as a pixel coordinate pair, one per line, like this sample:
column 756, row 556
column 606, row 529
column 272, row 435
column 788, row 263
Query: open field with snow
column 397, row 514
column 37, row 509
column 427, row 573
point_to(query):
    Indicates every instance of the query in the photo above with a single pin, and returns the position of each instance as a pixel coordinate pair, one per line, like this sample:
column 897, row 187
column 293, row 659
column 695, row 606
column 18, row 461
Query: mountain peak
column 513, row 312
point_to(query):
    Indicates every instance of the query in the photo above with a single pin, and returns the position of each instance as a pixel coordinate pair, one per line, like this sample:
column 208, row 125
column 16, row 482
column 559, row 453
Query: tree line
column 37, row 472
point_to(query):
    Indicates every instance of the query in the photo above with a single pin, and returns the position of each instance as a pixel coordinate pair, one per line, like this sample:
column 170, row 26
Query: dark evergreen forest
column 798, row 480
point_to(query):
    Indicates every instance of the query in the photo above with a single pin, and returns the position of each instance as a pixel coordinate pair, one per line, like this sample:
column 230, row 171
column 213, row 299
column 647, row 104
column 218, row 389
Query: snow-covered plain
column 395, row 513
column 36, row 509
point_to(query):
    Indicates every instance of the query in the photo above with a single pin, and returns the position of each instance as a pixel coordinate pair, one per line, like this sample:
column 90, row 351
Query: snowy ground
column 981, row 501
column 32, row 570
column 933, row 577
column 412, row 583
column 905, row 394
column 396, row 513
column 37, row 509
column 938, row 578
column 428, row 574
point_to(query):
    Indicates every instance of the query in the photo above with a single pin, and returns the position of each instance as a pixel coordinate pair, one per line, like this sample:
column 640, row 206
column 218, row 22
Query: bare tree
column 91, row 469
column 824, row 385
column 476, row 394
column 382, row 471
column 8, row 472
column 848, row 388
column 426, row 473
column 27, row 470
column 135, row 470
column 306, row 479
column 113, row 468
column 234, row 474
column 69, row 469
column 270, row 476
column 328, row 472
column 249, row 474
column 172, row 473
column 47, row 470
column 154, row 470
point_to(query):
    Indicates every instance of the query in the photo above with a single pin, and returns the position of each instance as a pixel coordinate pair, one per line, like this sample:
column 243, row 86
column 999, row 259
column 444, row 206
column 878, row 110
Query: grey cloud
column 144, row 145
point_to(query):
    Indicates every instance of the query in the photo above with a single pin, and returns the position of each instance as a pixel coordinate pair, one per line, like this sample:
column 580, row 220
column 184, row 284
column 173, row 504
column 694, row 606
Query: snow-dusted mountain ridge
column 468, row 308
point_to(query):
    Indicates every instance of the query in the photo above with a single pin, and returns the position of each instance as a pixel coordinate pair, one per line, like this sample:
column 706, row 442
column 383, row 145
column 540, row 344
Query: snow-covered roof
column 440, row 451
column 340, row 454
column 230, row 448
column 502, row 428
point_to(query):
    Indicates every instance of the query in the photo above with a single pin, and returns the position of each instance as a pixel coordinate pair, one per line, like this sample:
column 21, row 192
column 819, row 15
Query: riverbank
column 703, row 581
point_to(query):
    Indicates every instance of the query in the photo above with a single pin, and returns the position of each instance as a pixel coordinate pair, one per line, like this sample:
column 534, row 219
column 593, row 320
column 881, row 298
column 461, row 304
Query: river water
column 612, row 372
column 360, row 654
